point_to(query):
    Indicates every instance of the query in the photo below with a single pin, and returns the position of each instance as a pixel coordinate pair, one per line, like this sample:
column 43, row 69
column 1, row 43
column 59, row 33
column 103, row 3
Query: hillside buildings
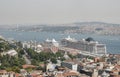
column 89, row 64
column 33, row 45
column 4, row 73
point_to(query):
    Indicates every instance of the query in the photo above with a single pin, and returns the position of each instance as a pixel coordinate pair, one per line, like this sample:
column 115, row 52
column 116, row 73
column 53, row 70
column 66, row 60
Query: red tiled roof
column 28, row 66
column 3, row 71
column 36, row 75
column 116, row 68
column 40, row 76
column 17, row 75
column 70, row 74
column 59, row 75
column 42, row 65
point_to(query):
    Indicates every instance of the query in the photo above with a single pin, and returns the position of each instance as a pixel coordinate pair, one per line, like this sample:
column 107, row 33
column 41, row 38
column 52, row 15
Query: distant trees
column 39, row 68
column 5, row 45
column 54, row 60
column 59, row 54
column 11, row 63
column 7, row 62
column 35, row 62
column 72, row 56
column 44, row 56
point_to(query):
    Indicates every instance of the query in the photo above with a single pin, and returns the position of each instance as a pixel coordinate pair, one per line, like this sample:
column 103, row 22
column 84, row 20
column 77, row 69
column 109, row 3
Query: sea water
column 112, row 42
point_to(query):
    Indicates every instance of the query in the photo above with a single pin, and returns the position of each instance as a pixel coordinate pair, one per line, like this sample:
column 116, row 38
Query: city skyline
column 58, row 11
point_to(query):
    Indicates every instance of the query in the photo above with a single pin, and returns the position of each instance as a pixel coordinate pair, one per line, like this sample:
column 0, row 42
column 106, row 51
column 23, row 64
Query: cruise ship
column 89, row 46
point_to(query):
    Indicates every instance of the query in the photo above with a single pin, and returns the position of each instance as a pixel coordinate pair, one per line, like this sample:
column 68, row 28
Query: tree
column 62, row 58
column 19, row 44
column 35, row 62
column 71, row 56
column 59, row 54
column 39, row 68
column 16, row 69
column 54, row 60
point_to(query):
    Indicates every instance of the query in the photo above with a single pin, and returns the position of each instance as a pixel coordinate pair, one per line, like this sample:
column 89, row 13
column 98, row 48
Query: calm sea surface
column 112, row 42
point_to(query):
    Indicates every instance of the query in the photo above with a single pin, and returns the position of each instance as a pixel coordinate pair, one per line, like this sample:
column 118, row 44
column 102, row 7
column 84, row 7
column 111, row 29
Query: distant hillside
column 79, row 27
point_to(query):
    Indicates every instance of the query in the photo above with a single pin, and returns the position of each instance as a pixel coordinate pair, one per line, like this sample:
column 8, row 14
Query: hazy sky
column 58, row 11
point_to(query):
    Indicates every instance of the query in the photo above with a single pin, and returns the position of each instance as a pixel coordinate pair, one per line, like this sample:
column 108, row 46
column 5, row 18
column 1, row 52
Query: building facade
column 70, row 65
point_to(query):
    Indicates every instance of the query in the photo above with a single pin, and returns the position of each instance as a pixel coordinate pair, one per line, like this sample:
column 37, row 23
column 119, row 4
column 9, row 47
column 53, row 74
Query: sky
column 58, row 11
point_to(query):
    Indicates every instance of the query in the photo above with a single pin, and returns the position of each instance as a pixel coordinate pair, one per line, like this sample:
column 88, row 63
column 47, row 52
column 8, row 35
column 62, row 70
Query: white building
column 25, row 45
column 50, row 67
column 38, row 48
column 12, row 52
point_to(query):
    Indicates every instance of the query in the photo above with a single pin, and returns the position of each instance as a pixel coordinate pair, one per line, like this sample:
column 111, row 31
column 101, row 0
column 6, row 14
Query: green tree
column 16, row 69
column 39, row 68
column 72, row 56
column 35, row 62
column 54, row 60
column 59, row 54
